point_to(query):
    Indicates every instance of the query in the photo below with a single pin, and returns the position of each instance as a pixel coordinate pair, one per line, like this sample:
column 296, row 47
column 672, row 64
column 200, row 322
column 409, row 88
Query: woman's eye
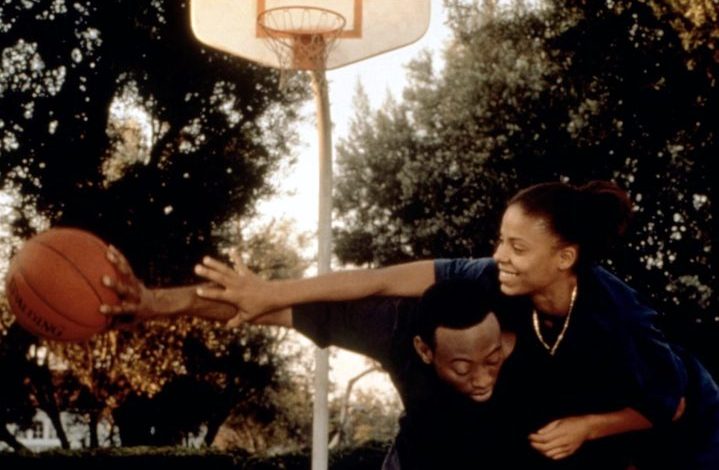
column 519, row 249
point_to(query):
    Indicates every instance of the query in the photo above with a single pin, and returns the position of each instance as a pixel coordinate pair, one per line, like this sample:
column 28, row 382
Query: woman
column 589, row 342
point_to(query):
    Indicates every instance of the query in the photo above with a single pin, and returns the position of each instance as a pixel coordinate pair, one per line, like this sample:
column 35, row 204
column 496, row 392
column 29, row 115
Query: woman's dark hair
column 593, row 216
column 454, row 303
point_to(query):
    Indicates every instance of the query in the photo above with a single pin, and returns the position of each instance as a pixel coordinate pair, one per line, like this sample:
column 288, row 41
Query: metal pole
column 320, row 421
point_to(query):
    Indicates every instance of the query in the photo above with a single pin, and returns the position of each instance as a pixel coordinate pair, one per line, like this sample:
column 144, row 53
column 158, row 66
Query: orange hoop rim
column 275, row 31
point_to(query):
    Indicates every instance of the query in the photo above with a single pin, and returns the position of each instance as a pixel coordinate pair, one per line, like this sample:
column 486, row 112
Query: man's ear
column 508, row 341
column 424, row 351
column 568, row 257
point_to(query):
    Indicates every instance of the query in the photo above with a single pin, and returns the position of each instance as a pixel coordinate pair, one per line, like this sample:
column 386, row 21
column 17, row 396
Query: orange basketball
column 54, row 284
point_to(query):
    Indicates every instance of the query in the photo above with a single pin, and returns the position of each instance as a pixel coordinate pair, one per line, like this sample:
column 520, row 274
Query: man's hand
column 135, row 299
column 240, row 287
column 561, row 438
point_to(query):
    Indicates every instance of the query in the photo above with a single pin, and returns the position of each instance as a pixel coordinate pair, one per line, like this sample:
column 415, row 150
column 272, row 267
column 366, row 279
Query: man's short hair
column 456, row 304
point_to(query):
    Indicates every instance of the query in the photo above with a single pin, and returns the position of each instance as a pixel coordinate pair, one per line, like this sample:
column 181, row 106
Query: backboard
column 371, row 27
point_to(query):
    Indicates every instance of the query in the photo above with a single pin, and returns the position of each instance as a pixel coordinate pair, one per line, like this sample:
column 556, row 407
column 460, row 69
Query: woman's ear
column 423, row 350
column 568, row 257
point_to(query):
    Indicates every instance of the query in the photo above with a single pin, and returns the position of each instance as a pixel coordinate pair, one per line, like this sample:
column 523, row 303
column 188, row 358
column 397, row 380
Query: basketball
column 54, row 284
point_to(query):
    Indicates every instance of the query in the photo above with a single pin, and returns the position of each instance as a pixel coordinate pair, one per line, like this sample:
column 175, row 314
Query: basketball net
column 301, row 37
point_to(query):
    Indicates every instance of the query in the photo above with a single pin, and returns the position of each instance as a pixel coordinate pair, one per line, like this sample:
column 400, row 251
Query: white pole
column 320, row 421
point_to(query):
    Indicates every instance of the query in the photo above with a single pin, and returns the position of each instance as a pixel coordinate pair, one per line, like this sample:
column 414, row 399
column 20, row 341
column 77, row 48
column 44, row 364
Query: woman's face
column 528, row 254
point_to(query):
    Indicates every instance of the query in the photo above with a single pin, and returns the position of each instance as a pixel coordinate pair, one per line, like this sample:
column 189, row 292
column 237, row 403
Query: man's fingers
column 111, row 255
column 108, row 281
column 121, row 289
column 118, row 260
column 118, row 309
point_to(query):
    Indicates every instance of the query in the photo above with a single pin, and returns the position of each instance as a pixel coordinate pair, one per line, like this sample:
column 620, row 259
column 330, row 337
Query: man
column 443, row 354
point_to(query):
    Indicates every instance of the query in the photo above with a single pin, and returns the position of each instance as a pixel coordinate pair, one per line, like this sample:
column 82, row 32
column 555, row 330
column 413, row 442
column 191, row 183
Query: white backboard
column 371, row 27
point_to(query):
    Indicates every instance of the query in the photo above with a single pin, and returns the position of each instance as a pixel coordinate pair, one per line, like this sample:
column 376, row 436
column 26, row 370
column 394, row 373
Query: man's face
column 468, row 360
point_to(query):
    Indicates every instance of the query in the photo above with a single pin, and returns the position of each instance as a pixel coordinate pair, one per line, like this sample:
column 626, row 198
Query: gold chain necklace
column 535, row 321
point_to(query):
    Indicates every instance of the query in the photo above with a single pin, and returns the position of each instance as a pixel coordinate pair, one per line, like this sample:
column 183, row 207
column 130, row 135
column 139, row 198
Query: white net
column 301, row 37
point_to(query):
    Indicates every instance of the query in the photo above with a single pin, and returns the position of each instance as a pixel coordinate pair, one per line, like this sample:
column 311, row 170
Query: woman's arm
column 563, row 437
column 255, row 296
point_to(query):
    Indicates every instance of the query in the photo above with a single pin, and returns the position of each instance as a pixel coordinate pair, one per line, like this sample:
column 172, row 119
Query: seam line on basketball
column 82, row 275
column 43, row 300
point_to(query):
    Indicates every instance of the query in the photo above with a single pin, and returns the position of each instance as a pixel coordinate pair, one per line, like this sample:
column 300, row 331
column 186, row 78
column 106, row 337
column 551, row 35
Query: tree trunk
column 94, row 420
column 213, row 427
column 45, row 395
column 341, row 434
column 54, row 413
column 219, row 413
column 7, row 437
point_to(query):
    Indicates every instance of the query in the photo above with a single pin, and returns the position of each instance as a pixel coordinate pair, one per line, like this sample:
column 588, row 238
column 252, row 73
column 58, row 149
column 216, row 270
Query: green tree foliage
column 569, row 91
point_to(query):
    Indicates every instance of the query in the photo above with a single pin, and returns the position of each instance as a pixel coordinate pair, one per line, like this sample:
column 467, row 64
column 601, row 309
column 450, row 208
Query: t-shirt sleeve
column 463, row 268
column 658, row 374
column 366, row 326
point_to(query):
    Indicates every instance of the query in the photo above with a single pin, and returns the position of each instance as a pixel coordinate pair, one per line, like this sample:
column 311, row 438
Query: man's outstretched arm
column 137, row 302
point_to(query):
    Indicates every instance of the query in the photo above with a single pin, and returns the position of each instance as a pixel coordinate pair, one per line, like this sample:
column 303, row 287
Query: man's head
column 460, row 337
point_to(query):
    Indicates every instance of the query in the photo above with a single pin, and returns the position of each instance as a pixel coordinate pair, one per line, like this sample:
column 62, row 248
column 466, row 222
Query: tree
column 568, row 91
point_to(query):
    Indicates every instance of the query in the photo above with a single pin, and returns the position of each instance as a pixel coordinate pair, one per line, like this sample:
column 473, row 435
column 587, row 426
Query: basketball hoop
column 301, row 37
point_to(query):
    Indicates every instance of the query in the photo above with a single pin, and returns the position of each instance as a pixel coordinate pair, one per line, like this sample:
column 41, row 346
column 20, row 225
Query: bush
column 369, row 456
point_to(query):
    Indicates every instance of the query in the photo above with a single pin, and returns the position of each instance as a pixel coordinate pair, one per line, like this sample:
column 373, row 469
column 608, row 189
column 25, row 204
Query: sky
column 299, row 184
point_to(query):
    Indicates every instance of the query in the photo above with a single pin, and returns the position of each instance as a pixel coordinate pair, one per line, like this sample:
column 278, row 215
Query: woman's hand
column 561, row 438
column 239, row 286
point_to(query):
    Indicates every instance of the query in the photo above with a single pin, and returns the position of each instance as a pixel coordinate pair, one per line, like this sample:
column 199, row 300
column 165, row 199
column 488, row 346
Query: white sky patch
column 132, row 126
